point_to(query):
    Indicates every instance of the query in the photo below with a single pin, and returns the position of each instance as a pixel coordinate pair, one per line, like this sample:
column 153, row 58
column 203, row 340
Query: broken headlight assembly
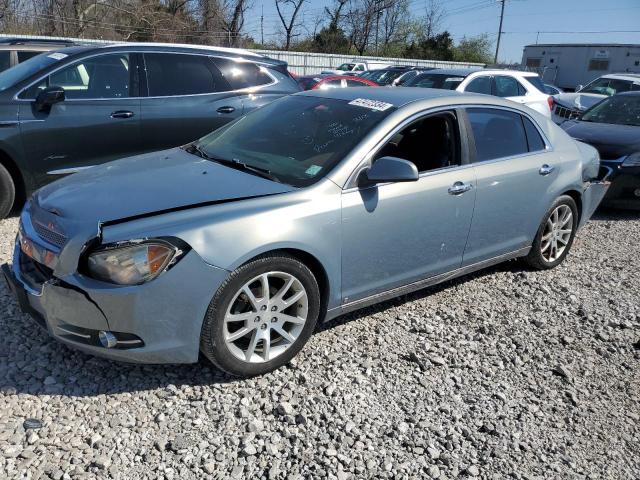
column 132, row 263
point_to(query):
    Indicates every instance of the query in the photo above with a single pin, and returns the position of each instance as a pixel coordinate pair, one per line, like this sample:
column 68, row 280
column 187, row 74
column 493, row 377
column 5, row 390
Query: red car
column 321, row 82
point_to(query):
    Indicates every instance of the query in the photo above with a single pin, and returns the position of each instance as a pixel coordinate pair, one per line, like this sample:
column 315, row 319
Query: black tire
column 535, row 258
column 7, row 192
column 212, row 344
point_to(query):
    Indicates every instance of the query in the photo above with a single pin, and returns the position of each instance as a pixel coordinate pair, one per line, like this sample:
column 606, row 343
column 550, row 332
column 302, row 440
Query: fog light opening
column 636, row 192
column 107, row 339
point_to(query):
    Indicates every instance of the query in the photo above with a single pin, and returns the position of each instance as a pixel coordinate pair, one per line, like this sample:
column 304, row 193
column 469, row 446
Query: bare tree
column 335, row 13
column 233, row 12
column 363, row 21
column 289, row 25
column 432, row 21
column 393, row 20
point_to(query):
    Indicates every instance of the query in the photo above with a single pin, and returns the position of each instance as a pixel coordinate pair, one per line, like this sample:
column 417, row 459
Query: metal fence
column 300, row 63
column 305, row 63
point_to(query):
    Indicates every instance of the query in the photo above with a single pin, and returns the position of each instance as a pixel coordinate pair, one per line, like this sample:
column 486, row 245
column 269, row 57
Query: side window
column 521, row 90
column 103, row 76
column 5, row 59
column 241, row 74
column 506, row 86
column 356, row 83
column 480, row 85
column 359, row 68
column 430, row 143
column 497, row 133
column 171, row 74
column 26, row 55
column 533, row 136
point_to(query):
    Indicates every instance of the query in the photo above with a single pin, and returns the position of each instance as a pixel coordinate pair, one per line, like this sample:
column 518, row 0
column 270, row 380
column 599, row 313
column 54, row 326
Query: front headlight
column 632, row 160
column 132, row 264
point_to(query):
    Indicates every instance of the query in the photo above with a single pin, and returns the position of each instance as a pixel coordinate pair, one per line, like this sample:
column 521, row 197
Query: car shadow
column 614, row 214
column 31, row 362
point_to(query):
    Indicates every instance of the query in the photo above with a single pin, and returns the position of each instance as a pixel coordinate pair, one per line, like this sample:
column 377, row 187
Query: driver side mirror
column 390, row 169
column 48, row 97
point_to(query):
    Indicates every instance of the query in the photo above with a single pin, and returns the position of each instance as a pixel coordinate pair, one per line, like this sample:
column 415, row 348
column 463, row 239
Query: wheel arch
column 577, row 197
column 16, row 175
column 312, row 263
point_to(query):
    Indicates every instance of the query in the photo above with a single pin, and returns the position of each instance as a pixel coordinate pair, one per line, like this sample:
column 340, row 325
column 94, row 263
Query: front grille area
column 34, row 273
column 51, row 236
column 567, row 113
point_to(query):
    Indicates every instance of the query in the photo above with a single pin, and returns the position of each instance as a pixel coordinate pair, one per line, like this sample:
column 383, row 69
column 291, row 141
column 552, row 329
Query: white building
column 568, row 65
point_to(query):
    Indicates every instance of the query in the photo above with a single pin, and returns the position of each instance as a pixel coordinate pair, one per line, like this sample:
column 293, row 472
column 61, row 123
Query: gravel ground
column 505, row 373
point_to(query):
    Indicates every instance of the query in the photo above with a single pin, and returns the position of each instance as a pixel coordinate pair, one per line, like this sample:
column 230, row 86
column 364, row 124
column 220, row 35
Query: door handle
column 459, row 188
column 122, row 114
column 226, row 110
column 546, row 170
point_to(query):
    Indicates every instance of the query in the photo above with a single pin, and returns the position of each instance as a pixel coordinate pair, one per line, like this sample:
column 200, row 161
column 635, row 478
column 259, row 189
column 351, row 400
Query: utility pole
column 502, row 2
column 262, row 26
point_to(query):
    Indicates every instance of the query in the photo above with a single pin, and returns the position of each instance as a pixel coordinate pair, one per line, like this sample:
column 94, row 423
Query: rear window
column 436, row 80
column 536, row 82
column 179, row 74
column 24, row 55
column 497, row 133
column 307, row 83
column 242, row 74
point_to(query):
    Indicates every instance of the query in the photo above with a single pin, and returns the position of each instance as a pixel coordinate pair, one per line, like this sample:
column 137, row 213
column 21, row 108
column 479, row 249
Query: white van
column 356, row 66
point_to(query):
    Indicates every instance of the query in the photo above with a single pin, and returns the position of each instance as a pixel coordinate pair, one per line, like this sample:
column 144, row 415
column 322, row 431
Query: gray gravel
column 507, row 373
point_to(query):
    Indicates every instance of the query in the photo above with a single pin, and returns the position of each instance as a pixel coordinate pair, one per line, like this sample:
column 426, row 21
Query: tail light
column 550, row 102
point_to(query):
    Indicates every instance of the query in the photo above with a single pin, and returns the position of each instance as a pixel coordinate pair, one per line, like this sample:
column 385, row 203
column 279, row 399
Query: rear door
column 187, row 97
column 512, row 184
column 96, row 123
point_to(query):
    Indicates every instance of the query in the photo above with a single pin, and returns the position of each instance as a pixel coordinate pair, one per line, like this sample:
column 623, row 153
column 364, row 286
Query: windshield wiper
column 195, row 149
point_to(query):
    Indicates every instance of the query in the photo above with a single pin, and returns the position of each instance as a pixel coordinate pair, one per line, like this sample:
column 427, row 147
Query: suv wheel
column 7, row 192
column 555, row 235
column 261, row 316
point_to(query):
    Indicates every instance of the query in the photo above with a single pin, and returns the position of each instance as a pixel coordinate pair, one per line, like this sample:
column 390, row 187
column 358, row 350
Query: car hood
column 147, row 184
column 578, row 101
column 611, row 141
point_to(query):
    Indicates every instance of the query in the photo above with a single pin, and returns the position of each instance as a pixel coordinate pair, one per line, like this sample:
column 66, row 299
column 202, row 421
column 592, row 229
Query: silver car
column 320, row 203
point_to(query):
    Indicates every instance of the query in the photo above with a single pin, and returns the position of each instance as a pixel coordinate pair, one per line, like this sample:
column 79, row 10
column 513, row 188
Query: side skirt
column 424, row 283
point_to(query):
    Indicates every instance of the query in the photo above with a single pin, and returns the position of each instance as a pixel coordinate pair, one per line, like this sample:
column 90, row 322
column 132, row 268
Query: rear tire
column 7, row 192
column 261, row 316
column 555, row 235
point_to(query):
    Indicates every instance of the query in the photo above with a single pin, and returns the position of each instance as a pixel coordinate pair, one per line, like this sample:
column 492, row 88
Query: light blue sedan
column 317, row 204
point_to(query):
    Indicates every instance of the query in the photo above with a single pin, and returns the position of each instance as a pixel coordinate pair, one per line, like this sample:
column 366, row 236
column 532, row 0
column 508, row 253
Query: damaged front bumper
column 157, row 322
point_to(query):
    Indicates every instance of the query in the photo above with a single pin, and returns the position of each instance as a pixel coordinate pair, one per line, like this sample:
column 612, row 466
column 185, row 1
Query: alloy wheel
column 557, row 233
column 265, row 317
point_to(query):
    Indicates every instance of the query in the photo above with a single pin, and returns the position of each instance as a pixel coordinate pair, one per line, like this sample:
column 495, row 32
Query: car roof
column 459, row 72
column 622, row 76
column 635, row 93
column 34, row 41
column 395, row 96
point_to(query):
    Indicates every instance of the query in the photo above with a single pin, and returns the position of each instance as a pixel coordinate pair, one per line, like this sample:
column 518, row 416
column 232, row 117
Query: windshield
column 24, row 70
column 619, row 110
column 536, row 82
column 346, row 67
column 385, row 77
column 609, row 86
column 297, row 139
column 435, row 80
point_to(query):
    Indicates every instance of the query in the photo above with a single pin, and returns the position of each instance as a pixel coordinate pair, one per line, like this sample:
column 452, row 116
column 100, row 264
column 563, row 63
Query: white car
column 568, row 106
column 356, row 66
column 521, row 87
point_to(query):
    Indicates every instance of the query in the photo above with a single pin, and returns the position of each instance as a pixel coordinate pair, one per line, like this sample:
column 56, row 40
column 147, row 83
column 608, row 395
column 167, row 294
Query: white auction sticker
column 57, row 55
column 371, row 104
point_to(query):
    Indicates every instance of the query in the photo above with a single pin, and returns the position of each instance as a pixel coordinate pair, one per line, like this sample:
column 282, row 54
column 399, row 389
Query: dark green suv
column 77, row 107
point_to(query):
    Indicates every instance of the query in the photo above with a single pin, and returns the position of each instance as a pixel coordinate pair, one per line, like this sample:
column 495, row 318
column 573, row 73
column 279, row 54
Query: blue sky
column 523, row 18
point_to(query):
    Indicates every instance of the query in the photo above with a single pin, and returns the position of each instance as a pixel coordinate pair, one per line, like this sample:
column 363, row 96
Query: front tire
column 261, row 316
column 555, row 235
column 7, row 192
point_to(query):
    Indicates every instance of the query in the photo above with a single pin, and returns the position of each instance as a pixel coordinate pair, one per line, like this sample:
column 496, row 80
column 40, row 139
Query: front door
column 98, row 121
column 187, row 99
column 398, row 233
column 514, row 173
